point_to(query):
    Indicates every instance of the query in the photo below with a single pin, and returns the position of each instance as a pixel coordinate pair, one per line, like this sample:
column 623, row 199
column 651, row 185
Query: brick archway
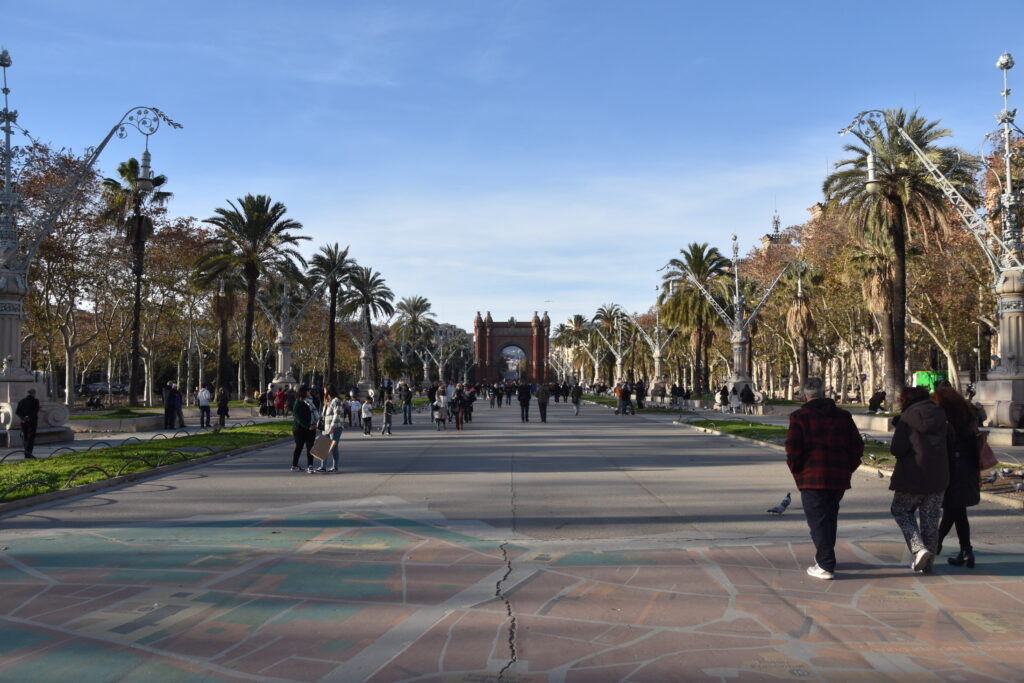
column 492, row 338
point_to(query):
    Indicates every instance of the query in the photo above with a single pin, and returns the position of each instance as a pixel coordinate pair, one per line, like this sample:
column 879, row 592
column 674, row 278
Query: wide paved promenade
column 591, row 548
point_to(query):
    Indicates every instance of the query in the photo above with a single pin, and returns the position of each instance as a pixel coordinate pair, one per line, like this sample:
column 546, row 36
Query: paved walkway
column 597, row 548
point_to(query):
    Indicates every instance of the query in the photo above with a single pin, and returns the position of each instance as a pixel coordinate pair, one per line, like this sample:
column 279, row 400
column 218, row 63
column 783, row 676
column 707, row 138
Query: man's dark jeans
column 542, row 406
column 407, row 413
column 821, row 507
column 524, row 411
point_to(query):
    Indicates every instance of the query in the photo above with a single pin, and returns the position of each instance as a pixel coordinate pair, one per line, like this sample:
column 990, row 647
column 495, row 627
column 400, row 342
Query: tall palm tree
column 684, row 304
column 127, row 205
column 370, row 297
column 414, row 323
column 801, row 326
column 331, row 265
column 908, row 201
column 255, row 238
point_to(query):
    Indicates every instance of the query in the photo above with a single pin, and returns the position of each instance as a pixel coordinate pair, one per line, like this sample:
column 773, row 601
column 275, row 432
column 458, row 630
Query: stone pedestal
column 1002, row 394
column 53, row 417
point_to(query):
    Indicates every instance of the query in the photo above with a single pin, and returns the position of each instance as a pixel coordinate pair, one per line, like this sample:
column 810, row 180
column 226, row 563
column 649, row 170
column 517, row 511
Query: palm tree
column 685, row 305
column 126, row 205
column 414, row 322
column 331, row 265
column 908, row 201
column 255, row 239
column 370, row 297
column 800, row 325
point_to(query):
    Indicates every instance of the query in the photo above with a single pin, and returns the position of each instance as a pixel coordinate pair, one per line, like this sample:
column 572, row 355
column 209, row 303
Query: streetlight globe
column 872, row 186
column 1005, row 61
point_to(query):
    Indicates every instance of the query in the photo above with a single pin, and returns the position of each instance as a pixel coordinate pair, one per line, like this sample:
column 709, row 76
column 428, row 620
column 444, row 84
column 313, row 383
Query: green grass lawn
column 103, row 463
column 776, row 434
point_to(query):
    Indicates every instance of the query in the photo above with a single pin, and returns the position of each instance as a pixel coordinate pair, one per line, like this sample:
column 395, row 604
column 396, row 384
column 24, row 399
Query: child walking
column 367, row 413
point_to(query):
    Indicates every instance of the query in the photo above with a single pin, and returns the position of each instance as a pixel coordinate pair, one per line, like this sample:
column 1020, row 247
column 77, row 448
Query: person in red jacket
column 823, row 449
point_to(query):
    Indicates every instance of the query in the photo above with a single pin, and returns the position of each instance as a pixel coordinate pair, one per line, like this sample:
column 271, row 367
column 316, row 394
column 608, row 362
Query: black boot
column 965, row 558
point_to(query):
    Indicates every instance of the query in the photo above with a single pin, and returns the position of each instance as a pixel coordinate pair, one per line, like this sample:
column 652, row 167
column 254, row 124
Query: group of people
column 174, row 403
column 737, row 400
column 935, row 479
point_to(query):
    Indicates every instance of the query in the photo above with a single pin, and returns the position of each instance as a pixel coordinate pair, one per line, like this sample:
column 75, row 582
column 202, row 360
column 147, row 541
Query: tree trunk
column 892, row 387
column 332, row 313
column 899, row 304
column 138, row 268
column 223, row 356
column 247, row 371
column 69, row 376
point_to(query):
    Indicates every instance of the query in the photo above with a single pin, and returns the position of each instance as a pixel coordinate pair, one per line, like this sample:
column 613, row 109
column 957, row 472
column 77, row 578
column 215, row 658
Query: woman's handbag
column 986, row 458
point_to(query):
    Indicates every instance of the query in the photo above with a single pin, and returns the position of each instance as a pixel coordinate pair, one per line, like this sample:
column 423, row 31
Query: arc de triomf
column 512, row 350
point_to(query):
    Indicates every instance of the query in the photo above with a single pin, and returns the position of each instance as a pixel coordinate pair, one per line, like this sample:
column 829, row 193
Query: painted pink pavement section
column 347, row 592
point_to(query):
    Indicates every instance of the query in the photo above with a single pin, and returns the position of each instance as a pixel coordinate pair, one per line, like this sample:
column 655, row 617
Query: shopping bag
column 321, row 447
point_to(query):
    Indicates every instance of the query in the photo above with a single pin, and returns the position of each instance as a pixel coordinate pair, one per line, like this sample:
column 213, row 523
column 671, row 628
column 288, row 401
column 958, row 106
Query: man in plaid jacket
column 823, row 449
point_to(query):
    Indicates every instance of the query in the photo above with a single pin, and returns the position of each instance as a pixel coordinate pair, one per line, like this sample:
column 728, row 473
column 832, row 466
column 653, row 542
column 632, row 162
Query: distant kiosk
column 512, row 351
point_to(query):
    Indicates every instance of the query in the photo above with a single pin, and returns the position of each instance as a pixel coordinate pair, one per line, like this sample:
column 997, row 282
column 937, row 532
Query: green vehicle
column 928, row 379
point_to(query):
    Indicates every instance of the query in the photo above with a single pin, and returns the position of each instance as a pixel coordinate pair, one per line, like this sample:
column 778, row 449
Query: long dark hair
column 958, row 409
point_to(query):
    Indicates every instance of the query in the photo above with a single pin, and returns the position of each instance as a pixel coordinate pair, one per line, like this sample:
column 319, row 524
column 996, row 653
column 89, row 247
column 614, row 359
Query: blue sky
column 510, row 156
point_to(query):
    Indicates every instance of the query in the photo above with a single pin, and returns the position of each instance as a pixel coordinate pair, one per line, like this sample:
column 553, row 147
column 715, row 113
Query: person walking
column 734, row 401
column 366, row 412
column 458, row 407
column 964, row 488
column 222, row 406
column 204, row 398
column 576, row 395
column 28, row 411
column 440, row 409
column 304, row 422
column 389, row 410
column 405, row 396
column 334, row 420
column 723, row 398
column 499, row 394
column 523, row 394
column 747, row 399
column 168, row 399
column 823, row 449
column 921, row 442
column 543, row 396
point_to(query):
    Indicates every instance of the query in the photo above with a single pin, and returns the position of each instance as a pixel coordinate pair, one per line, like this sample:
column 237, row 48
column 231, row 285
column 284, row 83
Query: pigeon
column 1005, row 472
column 991, row 479
column 781, row 507
column 880, row 475
column 1019, row 486
column 872, row 456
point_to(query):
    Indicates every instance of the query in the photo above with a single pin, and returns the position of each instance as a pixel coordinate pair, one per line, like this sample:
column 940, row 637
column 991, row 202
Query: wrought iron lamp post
column 18, row 247
column 739, row 322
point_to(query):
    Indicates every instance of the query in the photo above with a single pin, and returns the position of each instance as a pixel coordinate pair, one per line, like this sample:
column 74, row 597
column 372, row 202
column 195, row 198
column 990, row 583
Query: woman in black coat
column 964, row 488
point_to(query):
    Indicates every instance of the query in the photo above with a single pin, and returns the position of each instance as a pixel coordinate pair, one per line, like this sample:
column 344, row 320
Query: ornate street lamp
column 18, row 247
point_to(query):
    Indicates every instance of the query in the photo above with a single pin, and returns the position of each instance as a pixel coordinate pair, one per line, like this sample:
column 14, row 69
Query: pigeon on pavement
column 781, row 507
column 880, row 475
column 991, row 479
column 1019, row 486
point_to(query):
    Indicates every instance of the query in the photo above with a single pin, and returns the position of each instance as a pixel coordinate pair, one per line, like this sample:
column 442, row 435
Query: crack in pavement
column 498, row 591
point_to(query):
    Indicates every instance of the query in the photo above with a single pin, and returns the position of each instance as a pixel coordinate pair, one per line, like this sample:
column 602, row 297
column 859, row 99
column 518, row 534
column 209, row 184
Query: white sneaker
column 922, row 560
column 819, row 573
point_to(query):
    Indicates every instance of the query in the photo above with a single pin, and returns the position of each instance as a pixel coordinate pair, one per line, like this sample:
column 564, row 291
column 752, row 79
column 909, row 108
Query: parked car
column 97, row 388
